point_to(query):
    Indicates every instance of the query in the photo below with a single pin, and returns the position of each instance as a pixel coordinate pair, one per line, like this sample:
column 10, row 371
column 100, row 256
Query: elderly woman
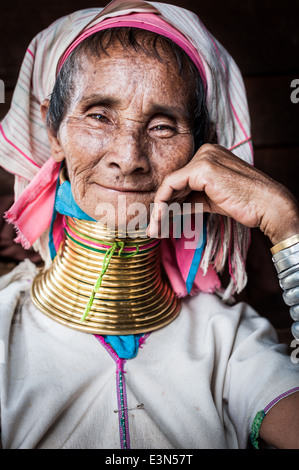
column 139, row 105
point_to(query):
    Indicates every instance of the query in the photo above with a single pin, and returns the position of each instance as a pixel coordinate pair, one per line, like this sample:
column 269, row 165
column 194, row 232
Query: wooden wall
column 263, row 38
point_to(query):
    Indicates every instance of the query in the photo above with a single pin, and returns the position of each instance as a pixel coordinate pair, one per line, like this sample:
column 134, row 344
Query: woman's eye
column 162, row 127
column 99, row 117
column 164, row 130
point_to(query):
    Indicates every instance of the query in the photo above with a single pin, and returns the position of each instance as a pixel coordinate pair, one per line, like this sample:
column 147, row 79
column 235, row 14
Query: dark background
column 263, row 38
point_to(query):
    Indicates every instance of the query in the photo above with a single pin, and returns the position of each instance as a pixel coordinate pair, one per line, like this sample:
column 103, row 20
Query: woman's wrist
column 281, row 220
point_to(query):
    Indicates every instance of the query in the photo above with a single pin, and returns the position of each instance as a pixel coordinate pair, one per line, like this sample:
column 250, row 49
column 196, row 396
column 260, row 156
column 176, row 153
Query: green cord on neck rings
column 106, row 261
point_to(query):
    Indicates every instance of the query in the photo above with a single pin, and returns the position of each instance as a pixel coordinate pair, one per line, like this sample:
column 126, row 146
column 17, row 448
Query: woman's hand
column 226, row 185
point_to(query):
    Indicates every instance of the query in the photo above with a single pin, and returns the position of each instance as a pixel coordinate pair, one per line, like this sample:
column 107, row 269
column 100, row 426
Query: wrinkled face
column 127, row 127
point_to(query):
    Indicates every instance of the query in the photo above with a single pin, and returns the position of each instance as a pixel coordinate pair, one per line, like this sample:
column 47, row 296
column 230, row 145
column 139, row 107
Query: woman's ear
column 56, row 148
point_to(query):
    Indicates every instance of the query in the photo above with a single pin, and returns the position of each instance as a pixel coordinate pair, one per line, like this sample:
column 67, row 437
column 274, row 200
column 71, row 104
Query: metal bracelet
column 285, row 244
column 289, row 271
column 290, row 281
column 294, row 312
column 291, row 296
column 295, row 330
column 286, row 263
column 286, row 252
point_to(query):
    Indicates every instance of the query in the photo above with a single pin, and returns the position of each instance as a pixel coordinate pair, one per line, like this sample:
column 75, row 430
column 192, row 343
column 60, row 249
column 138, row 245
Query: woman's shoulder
column 24, row 271
column 227, row 322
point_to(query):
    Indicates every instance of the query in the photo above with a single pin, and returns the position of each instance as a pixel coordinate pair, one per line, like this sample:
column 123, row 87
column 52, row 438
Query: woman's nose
column 128, row 154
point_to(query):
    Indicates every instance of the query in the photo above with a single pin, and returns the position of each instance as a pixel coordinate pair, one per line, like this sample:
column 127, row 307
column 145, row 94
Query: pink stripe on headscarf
column 145, row 21
column 14, row 146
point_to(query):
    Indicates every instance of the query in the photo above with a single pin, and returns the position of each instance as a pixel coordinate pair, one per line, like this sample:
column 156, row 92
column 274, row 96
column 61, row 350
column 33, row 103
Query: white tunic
column 201, row 379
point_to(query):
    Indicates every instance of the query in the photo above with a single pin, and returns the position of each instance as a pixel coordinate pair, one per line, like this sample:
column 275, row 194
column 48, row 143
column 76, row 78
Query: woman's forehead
column 129, row 74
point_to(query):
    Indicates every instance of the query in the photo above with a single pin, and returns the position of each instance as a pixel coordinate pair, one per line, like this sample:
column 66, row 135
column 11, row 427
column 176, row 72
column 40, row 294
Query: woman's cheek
column 85, row 146
column 171, row 156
